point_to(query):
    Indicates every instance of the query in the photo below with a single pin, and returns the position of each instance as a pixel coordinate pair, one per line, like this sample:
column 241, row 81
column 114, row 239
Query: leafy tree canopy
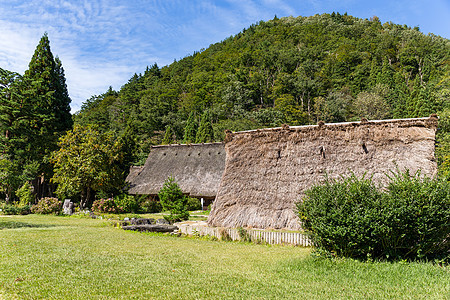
column 88, row 161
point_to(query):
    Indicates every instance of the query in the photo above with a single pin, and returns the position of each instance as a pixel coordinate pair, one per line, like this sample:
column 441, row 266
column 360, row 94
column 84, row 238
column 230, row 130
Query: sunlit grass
column 77, row 258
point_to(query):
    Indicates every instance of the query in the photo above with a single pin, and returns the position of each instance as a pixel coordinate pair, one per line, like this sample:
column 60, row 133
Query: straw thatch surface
column 268, row 170
column 197, row 168
column 134, row 171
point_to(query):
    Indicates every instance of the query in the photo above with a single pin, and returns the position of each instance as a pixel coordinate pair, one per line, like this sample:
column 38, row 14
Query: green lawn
column 46, row 257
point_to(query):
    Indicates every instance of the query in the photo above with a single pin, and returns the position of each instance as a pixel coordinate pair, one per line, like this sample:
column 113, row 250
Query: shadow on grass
column 16, row 225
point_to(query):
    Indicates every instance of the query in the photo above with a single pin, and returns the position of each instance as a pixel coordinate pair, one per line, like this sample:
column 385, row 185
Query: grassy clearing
column 77, row 258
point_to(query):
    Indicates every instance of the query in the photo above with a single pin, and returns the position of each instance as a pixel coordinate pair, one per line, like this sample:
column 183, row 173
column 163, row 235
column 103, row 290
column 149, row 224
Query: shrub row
column 352, row 217
column 120, row 204
column 8, row 209
column 136, row 204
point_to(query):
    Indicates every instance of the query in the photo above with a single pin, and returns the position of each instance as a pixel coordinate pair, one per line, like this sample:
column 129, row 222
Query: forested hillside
column 289, row 70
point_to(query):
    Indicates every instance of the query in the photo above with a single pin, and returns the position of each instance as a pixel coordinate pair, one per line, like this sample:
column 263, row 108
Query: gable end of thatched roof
column 268, row 170
column 197, row 168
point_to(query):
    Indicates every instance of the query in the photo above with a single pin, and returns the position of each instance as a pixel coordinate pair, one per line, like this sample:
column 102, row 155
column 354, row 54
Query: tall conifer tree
column 205, row 132
column 168, row 136
column 46, row 90
column 190, row 131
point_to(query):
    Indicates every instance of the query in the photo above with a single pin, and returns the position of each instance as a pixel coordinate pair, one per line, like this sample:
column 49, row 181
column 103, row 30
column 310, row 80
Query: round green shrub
column 339, row 215
column 128, row 203
column 107, row 205
column 410, row 219
column 193, row 204
column 151, row 206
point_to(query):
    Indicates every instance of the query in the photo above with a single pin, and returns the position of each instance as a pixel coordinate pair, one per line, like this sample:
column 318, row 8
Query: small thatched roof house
column 197, row 168
column 267, row 171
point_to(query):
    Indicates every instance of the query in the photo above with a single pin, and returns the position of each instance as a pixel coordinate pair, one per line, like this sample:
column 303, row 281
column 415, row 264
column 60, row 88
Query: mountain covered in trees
column 328, row 67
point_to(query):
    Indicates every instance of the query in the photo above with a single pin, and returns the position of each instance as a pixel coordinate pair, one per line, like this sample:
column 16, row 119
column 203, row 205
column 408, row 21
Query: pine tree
column 190, row 130
column 48, row 89
column 424, row 102
column 399, row 95
column 45, row 89
column 205, row 132
column 374, row 72
column 61, row 106
column 173, row 200
column 386, row 75
column 168, row 136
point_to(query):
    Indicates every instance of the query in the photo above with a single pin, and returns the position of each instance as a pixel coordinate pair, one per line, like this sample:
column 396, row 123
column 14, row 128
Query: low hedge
column 9, row 209
column 352, row 217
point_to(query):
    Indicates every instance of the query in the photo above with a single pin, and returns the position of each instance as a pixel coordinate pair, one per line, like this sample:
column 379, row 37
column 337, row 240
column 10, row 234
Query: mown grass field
column 48, row 257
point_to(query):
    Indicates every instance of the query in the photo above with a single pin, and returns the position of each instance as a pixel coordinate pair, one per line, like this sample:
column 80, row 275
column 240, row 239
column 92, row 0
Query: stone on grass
column 68, row 207
column 151, row 228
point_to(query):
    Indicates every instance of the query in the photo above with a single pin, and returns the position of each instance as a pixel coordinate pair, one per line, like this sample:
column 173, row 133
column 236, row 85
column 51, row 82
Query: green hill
column 289, row 70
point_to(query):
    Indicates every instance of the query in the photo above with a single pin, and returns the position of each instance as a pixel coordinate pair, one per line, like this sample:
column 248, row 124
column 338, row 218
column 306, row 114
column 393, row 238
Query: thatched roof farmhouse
column 197, row 168
column 267, row 171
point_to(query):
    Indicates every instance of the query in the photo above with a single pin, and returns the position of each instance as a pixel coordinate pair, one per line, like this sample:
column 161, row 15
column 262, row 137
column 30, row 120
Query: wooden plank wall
column 268, row 237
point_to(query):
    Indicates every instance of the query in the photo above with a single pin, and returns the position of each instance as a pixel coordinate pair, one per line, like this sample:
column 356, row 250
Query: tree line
column 295, row 71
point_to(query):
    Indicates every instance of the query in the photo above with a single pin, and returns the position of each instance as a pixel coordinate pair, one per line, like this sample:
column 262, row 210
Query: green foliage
column 47, row 91
column 25, row 194
column 373, row 105
column 173, row 200
column 190, row 130
column 353, row 218
column 244, row 235
column 87, row 161
column 128, row 203
column 47, row 206
column 416, row 216
column 169, row 137
column 443, row 144
column 149, row 205
column 34, row 112
column 205, row 133
column 10, row 209
column 339, row 215
column 291, row 110
column 108, row 205
column 193, row 204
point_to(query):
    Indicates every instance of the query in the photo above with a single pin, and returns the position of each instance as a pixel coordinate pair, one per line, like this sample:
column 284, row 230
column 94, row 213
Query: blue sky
column 102, row 43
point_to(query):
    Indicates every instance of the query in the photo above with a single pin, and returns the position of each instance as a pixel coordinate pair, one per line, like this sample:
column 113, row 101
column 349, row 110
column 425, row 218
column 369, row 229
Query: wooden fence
column 254, row 235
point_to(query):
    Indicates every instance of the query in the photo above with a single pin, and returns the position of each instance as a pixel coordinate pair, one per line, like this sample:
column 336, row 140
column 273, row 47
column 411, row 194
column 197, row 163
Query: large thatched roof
column 197, row 168
column 268, row 170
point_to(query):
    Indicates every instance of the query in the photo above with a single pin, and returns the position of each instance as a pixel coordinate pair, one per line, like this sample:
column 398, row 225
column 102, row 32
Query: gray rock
column 162, row 221
column 151, row 228
column 142, row 221
column 68, row 207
